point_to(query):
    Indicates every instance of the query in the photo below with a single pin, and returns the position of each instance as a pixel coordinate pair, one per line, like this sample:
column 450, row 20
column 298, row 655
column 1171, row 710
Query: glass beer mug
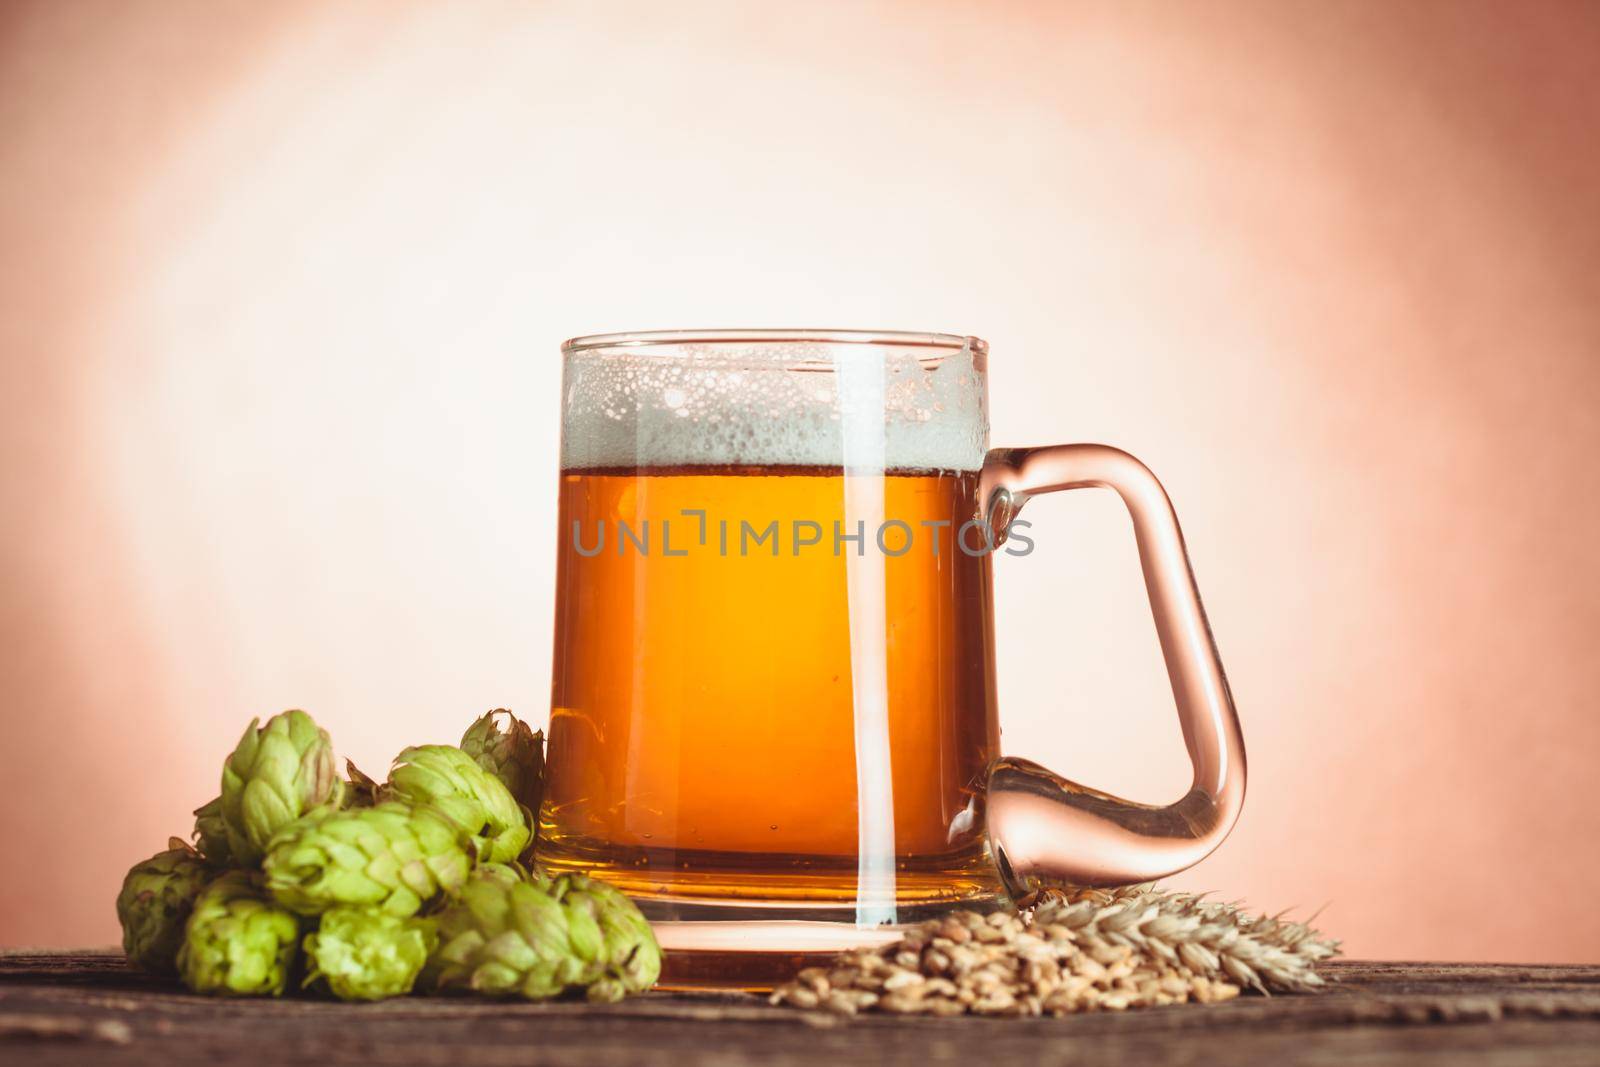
column 773, row 717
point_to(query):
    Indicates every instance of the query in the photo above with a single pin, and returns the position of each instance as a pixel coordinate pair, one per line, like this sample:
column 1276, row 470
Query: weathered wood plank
column 68, row 1007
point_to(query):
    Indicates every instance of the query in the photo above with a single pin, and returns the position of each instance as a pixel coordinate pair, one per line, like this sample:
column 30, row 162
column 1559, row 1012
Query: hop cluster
column 362, row 888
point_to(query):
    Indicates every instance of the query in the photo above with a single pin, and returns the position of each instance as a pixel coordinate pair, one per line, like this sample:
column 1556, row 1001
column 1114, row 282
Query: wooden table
column 86, row 1007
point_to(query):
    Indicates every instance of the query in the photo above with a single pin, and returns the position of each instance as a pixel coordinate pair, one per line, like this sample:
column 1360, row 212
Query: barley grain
column 1071, row 951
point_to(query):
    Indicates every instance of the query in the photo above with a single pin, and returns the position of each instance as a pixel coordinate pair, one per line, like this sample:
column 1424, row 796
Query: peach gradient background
column 281, row 287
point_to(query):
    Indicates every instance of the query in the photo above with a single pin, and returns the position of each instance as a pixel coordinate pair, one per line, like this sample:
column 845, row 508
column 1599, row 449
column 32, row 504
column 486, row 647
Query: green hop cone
column 277, row 773
column 368, row 955
column 391, row 857
column 505, row 936
column 239, row 942
column 154, row 906
column 630, row 956
column 211, row 834
column 449, row 780
column 514, row 754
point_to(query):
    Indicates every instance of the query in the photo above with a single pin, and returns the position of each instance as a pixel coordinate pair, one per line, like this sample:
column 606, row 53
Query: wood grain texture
column 75, row 1007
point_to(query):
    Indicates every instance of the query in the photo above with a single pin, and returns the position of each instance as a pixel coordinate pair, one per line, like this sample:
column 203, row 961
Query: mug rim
column 642, row 341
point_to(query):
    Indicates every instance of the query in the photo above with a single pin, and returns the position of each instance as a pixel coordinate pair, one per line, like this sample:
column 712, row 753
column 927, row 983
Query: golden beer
column 703, row 733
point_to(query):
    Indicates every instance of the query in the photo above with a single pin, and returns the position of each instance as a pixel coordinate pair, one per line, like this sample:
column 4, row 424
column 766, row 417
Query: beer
column 711, row 651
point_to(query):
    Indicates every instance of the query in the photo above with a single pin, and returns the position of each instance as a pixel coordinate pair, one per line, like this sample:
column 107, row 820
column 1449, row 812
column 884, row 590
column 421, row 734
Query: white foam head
column 775, row 402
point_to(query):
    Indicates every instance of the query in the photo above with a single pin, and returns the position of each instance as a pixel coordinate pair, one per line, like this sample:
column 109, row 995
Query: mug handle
column 1044, row 827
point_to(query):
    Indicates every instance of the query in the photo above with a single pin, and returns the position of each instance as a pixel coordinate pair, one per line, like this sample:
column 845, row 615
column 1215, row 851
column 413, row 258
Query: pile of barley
column 1071, row 951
